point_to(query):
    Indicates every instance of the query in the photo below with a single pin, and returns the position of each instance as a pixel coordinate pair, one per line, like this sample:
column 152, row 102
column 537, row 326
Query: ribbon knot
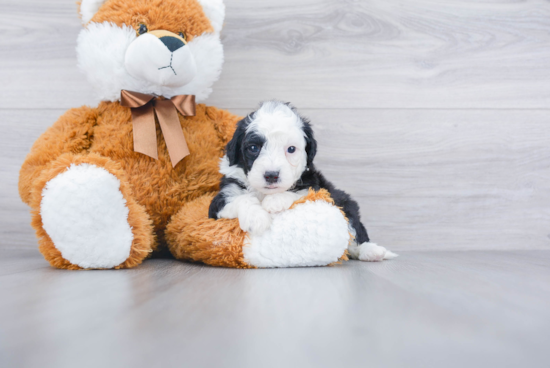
column 144, row 107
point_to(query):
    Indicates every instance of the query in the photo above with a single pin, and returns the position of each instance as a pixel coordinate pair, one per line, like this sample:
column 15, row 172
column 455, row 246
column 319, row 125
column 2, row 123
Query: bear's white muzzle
column 162, row 59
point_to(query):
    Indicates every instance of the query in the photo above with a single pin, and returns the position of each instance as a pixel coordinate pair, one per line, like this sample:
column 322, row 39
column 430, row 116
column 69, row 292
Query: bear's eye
column 142, row 29
column 291, row 149
column 182, row 35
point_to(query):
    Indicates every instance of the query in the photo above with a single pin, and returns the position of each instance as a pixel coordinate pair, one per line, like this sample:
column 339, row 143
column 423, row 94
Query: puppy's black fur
column 219, row 201
column 237, row 149
column 238, row 154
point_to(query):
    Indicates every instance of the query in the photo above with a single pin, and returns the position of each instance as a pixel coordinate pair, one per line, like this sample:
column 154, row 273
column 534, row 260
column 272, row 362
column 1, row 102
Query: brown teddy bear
column 110, row 185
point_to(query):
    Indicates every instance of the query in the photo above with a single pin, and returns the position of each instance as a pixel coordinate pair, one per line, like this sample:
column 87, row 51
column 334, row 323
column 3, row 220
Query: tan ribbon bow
column 144, row 107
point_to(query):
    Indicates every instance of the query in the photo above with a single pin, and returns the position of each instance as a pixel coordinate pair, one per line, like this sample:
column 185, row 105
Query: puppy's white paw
column 254, row 220
column 278, row 202
column 370, row 252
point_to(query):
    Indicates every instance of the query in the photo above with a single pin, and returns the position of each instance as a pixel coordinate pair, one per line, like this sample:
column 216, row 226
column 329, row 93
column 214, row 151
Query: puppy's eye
column 142, row 29
column 254, row 149
column 182, row 35
column 291, row 149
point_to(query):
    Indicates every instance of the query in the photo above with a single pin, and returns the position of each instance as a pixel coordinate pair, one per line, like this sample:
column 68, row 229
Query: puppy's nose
column 172, row 43
column 271, row 177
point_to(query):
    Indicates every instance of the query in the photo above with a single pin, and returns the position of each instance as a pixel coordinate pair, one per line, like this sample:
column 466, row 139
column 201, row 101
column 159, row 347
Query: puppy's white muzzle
column 162, row 59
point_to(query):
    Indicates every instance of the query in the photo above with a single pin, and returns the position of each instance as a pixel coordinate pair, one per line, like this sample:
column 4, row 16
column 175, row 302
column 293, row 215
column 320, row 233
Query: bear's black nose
column 271, row 177
column 172, row 43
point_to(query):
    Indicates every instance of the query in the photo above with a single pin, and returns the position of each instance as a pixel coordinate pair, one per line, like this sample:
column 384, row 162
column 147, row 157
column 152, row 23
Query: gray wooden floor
column 424, row 309
column 434, row 115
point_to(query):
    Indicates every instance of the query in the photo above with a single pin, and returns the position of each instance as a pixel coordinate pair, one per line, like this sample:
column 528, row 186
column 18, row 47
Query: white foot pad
column 312, row 234
column 85, row 215
column 370, row 252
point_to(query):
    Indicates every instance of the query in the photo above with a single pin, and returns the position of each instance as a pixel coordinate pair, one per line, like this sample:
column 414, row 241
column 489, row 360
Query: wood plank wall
column 434, row 115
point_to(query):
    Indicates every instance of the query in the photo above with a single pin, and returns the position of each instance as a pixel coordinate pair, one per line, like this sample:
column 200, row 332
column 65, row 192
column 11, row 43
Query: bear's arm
column 72, row 133
column 224, row 122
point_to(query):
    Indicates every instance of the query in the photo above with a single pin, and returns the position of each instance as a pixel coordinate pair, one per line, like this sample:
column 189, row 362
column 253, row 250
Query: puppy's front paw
column 255, row 220
column 278, row 202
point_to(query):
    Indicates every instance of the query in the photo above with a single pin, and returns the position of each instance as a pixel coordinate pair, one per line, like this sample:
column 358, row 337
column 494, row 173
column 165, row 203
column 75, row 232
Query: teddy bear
column 111, row 185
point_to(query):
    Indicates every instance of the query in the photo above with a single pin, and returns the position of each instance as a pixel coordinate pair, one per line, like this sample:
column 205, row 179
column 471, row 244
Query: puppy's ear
column 311, row 143
column 233, row 148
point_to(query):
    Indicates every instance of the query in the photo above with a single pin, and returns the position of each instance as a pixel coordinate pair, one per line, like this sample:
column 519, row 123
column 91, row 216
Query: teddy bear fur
column 191, row 234
column 167, row 207
column 153, row 190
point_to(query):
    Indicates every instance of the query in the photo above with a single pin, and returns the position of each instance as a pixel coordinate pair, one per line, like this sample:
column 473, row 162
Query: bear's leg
column 86, row 217
column 192, row 236
column 312, row 233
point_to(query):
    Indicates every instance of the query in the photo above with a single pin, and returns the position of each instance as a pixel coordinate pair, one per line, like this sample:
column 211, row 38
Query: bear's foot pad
column 86, row 216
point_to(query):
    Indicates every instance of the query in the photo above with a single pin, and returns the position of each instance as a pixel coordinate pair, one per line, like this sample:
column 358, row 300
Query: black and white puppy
column 269, row 165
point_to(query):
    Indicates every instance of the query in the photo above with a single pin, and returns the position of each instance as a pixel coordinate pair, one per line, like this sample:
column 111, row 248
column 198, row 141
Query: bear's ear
column 88, row 8
column 215, row 12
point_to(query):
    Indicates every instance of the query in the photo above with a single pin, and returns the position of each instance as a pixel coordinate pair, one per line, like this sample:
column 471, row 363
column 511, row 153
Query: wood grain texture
column 20, row 129
column 387, row 54
column 442, row 179
column 425, row 179
column 38, row 64
column 318, row 54
column 442, row 309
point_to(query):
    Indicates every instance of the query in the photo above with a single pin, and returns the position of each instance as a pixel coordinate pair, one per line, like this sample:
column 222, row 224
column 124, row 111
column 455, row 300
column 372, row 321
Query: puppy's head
column 271, row 148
